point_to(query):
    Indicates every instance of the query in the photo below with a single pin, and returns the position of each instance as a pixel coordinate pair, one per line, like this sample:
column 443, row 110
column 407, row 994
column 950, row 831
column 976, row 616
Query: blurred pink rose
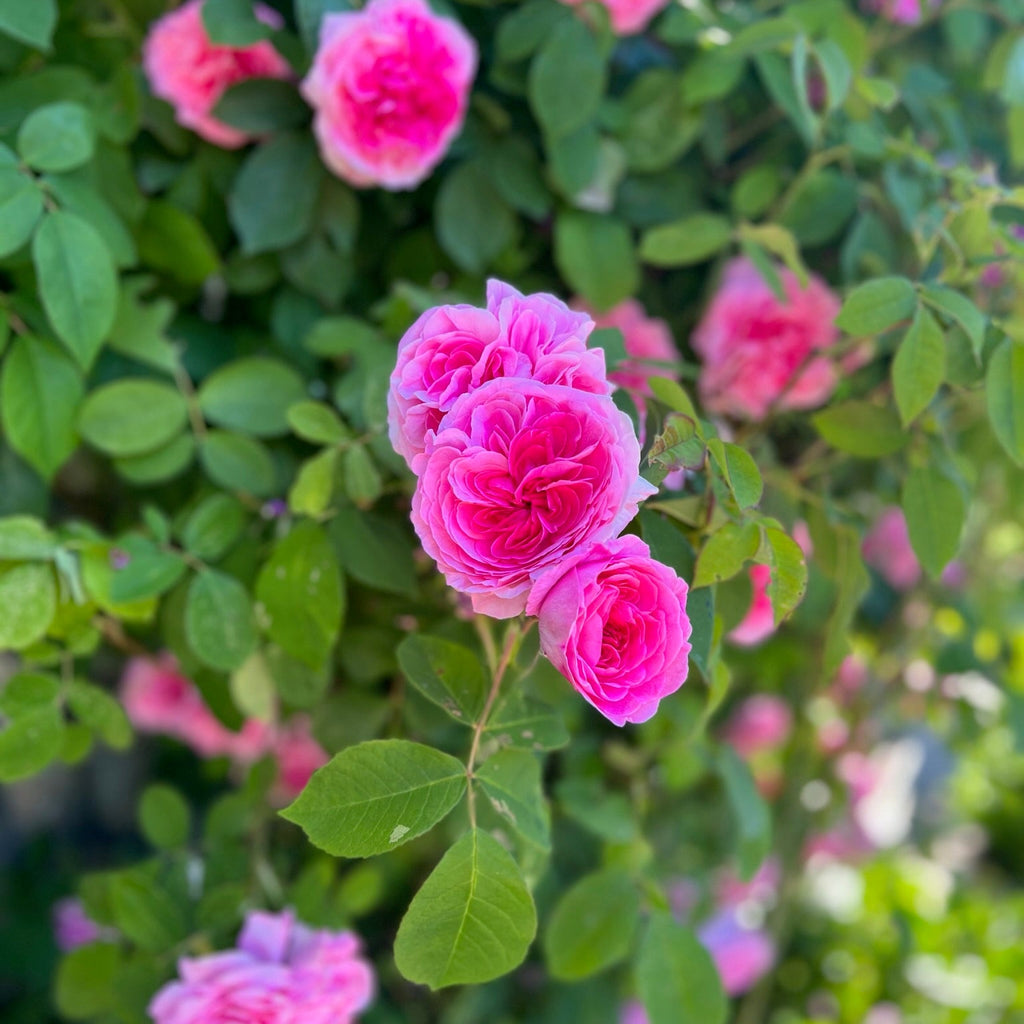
column 759, row 352
column 298, row 756
column 887, row 549
column 628, row 16
column 759, row 622
column 451, row 350
column 762, row 722
column 280, row 973
column 518, row 476
column 633, row 1012
column 648, row 342
column 72, row 926
column 742, row 955
column 903, row 12
column 731, row 890
column 852, row 674
column 613, row 622
column 389, row 86
column 191, row 73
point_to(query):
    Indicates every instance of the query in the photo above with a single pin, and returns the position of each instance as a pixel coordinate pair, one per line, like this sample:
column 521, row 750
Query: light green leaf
column 57, row 137
column 313, row 489
column 472, row 921
column 32, row 740
column 517, row 721
column 681, row 243
column 862, row 429
column 214, row 526
column 23, row 538
column 30, row 23
column 77, row 283
column 473, row 222
column 595, row 255
column 676, row 976
column 739, row 471
column 85, row 986
column 377, row 795
column 359, row 473
column 1004, row 391
column 316, row 422
column 28, row 603
column 159, row 465
column 788, row 581
column 164, row 817
column 301, row 595
column 919, row 367
column 146, row 913
column 21, row 206
column 592, row 925
column 567, row 78
column 132, row 416
column 101, row 712
column 446, row 673
column 934, row 507
column 511, row 780
column 725, row 552
column 877, row 305
column 219, row 623
column 750, row 812
column 960, row 309
column 238, row 463
column 252, row 395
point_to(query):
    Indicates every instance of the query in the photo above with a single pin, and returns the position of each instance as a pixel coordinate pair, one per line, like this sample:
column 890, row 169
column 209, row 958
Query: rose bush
column 510, row 512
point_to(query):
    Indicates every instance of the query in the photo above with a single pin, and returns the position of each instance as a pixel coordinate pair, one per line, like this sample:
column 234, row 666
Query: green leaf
column 788, row 581
column 159, row 465
column 919, row 367
column 132, row 416
column 101, row 712
column 935, row 513
column 446, row 673
column 961, row 310
column 238, row 463
column 214, row 526
column 1004, row 391
column 877, row 305
column 21, row 206
column 139, row 328
column 374, row 550
column 219, row 623
column 567, row 78
column 313, row 489
column 316, row 422
column 233, row 23
column 172, row 240
column 23, row 538
column 85, row 978
column 31, row 741
column 377, row 795
column 676, row 976
column 359, row 473
column 517, row 721
column 511, row 780
column 76, row 193
column 40, row 391
column 820, row 208
column 684, row 242
column 288, row 169
column 739, row 471
column 309, row 14
column 77, row 282
column 30, row 23
column 473, row 222
column 148, row 570
column 472, row 921
column 750, row 812
column 146, row 913
column 725, row 553
column 301, row 596
column 592, row 925
column 164, row 817
column 261, row 106
column 862, row 429
column 252, row 396
column 594, row 253
column 296, row 683
column 28, row 603
column 57, row 137
column 601, row 812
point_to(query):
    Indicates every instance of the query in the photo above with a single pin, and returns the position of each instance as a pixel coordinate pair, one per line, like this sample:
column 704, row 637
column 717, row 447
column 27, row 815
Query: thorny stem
column 515, row 633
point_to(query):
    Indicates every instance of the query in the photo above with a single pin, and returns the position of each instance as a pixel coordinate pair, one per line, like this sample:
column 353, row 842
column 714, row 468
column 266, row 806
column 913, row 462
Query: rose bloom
column 887, row 549
column 648, row 342
column 763, row 722
column 613, row 621
column 518, row 476
column 628, row 16
column 281, row 972
column 192, row 73
column 758, row 352
column 389, row 86
column 298, row 755
column 759, row 622
column 902, row 12
column 451, row 350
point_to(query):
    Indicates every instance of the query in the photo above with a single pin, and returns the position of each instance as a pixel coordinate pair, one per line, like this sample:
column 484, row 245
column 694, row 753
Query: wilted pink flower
column 758, row 352
column 762, row 722
column 389, row 85
column 72, row 926
column 518, row 476
column 452, row 350
column 759, row 622
column 298, row 756
column 281, row 972
column 613, row 622
column 192, row 73
column 903, row 12
column 628, row 16
column 742, row 955
column 887, row 549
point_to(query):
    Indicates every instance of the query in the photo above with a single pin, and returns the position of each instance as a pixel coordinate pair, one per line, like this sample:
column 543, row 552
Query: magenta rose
column 760, row 353
column 613, row 622
column 628, row 16
column 280, row 973
column 451, row 350
column 759, row 622
column 519, row 475
column 192, row 73
column 389, row 86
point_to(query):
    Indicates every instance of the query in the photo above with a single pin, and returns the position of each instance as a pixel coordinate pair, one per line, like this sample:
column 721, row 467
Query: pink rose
column 742, row 955
column 759, row 622
column 763, row 722
column 648, row 342
column 613, row 622
column 902, row 12
column 281, row 973
column 389, row 85
column 518, row 476
column 191, row 73
column 887, row 549
column 758, row 352
column 628, row 16
column 451, row 350
column 298, row 756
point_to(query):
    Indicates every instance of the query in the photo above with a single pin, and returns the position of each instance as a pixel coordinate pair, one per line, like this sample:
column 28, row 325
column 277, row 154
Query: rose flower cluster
column 527, row 474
